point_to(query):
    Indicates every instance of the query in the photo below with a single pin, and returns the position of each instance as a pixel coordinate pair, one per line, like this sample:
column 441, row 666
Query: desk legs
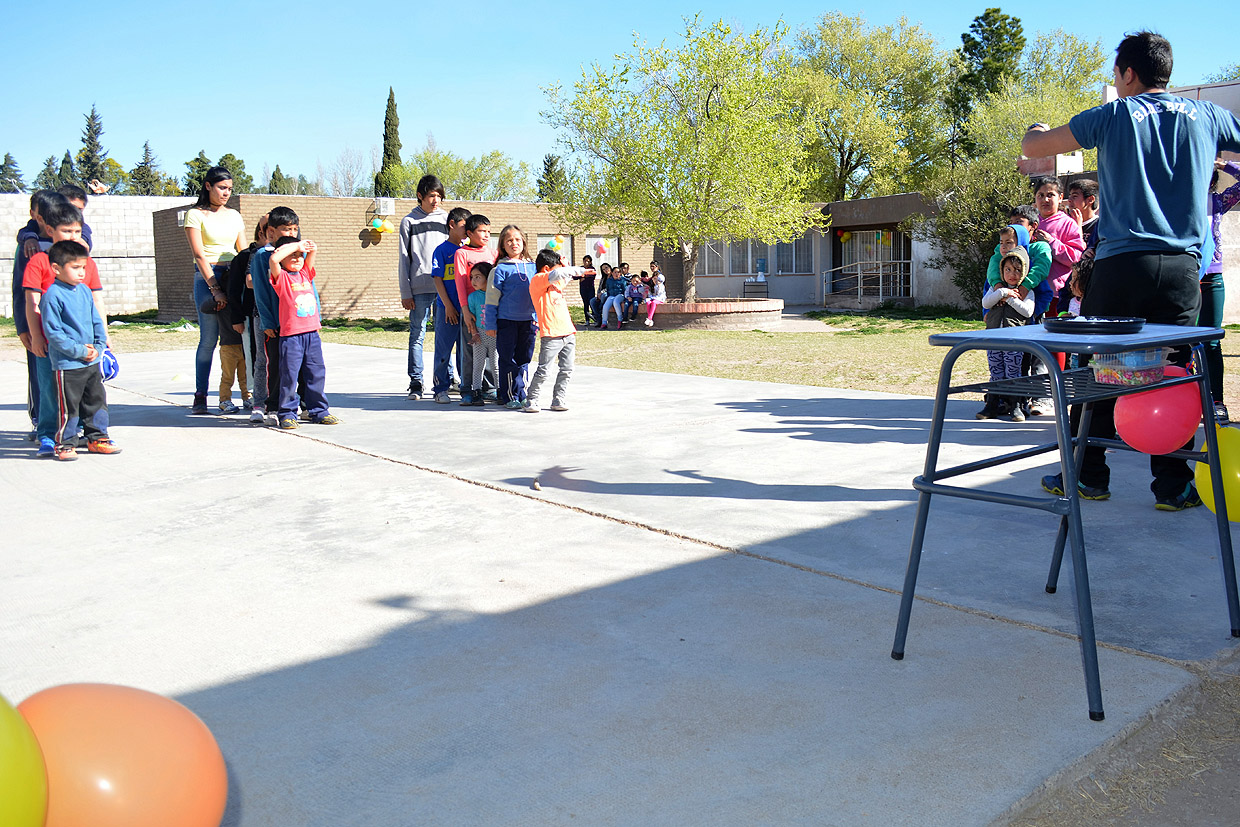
column 1220, row 501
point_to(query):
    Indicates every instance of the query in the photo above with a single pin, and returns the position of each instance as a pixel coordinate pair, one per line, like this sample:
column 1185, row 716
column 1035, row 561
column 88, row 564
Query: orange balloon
column 123, row 757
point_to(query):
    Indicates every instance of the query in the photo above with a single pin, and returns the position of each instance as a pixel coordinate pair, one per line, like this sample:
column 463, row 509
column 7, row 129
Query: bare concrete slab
column 383, row 623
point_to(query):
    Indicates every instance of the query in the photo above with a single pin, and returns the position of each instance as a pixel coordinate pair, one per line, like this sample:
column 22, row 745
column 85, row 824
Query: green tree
column 873, row 95
column 115, row 178
column 243, row 182
column 145, row 178
column 67, row 174
column 552, row 180
column 989, row 54
column 281, row 184
column 11, row 175
column 681, row 145
column 196, row 172
column 387, row 178
column 91, row 158
column 46, row 179
column 1225, row 74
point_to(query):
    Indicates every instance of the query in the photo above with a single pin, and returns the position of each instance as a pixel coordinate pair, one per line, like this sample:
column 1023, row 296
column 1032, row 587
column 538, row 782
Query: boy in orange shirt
column 558, row 335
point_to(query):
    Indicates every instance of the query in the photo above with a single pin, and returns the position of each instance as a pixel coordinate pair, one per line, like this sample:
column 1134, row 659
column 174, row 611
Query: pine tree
column 46, row 179
column 92, row 158
column 11, row 175
column 67, row 174
column 386, row 180
column 196, row 171
column 553, row 179
column 281, row 184
column 989, row 54
column 243, row 182
column 145, row 178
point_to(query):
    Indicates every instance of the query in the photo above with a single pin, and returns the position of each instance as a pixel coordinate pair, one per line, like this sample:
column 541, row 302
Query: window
column 795, row 256
column 565, row 249
column 748, row 257
column 875, row 263
column 710, row 259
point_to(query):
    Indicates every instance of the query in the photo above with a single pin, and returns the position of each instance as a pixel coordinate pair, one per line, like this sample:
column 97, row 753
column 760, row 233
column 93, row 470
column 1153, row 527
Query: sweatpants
column 485, row 357
column 558, row 350
column 302, row 375
column 80, row 398
column 515, row 343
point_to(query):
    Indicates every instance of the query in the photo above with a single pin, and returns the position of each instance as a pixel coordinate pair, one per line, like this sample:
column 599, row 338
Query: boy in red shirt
column 476, row 249
column 301, row 351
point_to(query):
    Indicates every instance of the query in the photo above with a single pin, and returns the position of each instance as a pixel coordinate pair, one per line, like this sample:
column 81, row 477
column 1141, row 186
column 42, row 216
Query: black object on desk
column 1065, row 388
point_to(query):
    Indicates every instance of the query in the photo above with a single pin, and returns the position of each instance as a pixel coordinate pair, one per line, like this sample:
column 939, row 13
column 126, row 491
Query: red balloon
column 1159, row 421
column 122, row 757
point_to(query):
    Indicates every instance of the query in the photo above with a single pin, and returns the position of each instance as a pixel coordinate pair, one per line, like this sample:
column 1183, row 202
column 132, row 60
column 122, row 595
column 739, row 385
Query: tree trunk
column 689, row 257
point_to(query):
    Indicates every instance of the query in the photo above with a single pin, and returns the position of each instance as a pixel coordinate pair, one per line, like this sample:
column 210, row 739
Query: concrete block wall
column 356, row 268
column 124, row 247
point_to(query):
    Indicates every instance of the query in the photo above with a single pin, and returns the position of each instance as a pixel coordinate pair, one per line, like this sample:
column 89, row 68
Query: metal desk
column 1065, row 388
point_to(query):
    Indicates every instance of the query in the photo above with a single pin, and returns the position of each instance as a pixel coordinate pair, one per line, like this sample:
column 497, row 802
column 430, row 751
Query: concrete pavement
column 384, row 623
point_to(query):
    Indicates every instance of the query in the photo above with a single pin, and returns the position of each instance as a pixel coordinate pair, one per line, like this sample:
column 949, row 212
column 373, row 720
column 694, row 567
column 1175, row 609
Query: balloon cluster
column 601, row 247
column 844, row 235
column 382, row 225
column 107, row 756
column 557, row 243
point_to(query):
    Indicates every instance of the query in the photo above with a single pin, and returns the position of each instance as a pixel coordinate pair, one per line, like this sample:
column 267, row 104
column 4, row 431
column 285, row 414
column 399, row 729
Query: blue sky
column 297, row 86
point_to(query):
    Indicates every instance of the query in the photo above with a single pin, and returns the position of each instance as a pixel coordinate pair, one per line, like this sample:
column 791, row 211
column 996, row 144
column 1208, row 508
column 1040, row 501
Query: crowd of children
column 625, row 293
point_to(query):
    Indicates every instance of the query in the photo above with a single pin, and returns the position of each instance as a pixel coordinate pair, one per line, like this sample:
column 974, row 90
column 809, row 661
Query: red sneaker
column 65, row 453
column 102, row 446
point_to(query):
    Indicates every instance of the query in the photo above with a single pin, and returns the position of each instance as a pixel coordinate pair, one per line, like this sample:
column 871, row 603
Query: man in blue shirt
column 1155, row 155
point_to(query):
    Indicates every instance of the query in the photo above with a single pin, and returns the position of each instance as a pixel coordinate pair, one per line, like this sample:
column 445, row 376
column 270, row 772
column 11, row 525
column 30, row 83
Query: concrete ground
column 688, row 621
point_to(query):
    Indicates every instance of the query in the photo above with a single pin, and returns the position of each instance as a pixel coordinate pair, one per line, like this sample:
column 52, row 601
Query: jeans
column 560, row 350
column 587, row 296
column 447, row 338
column 208, row 329
column 49, row 406
column 612, row 301
column 1211, row 315
column 418, row 316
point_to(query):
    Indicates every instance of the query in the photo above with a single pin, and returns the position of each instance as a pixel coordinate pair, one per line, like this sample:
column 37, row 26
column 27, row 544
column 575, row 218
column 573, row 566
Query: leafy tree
column 243, row 182
column 196, row 172
column 873, row 95
column 1224, row 74
column 552, row 180
column 989, row 54
column 281, row 184
column 66, row 174
column 387, row 179
column 305, row 186
column 11, row 175
column 490, row 177
column 115, row 178
column 91, row 157
column 687, row 144
column 46, row 179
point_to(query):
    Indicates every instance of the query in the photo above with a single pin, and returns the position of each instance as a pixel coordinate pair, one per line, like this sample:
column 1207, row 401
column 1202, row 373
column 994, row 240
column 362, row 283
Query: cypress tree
column 386, row 179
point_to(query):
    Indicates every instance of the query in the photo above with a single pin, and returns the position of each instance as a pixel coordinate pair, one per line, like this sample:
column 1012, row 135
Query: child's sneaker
column 65, row 453
column 1189, row 499
column 558, row 406
column 228, row 407
column 305, row 416
column 1014, row 415
column 649, row 322
column 467, row 399
column 514, row 404
column 531, row 407
column 47, row 448
column 247, row 403
column 200, row 405
column 330, row 419
column 442, row 398
column 103, row 445
column 287, row 423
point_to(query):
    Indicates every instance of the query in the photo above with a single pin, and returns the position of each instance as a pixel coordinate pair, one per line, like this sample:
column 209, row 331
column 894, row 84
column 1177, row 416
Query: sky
column 298, row 86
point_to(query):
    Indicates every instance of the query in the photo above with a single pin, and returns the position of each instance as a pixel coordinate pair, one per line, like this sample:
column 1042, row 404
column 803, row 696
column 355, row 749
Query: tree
column 490, row 177
column 115, row 178
column 1225, row 74
column 243, row 182
column 46, row 179
column 144, row 178
column 347, row 173
column 873, row 94
column 66, row 174
column 281, row 184
column 91, row 157
column 196, row 170
column 386, row 178
column 683, row 145
column 552, row 180
column 11, row 175
column 989, row 54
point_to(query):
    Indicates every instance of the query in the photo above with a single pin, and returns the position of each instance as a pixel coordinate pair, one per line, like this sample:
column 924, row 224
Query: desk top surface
column 1152, row 335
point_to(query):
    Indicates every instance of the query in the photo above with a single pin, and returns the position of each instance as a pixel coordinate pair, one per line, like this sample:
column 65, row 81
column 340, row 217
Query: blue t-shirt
column 1155, row 155
column 443, row 266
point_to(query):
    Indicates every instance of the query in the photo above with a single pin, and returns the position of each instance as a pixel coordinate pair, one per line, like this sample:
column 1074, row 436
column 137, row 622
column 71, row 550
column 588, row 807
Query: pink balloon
column 1159, row 421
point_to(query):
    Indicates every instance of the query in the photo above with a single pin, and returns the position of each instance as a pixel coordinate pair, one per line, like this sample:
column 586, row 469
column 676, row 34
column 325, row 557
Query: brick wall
column 356, row 268
column 124, row 248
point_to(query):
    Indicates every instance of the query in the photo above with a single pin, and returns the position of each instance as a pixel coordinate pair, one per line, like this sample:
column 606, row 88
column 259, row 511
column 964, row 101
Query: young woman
column 216, row 234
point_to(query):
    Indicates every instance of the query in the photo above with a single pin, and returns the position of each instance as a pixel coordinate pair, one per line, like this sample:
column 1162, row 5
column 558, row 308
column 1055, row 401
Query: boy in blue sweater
column 76, row 338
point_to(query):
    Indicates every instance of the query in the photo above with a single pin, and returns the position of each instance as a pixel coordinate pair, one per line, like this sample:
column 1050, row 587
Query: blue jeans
column 447, row 339
column 208, row 330
column 49, row 410
column 418, row 316
column 612, row 301
column 1213, row 295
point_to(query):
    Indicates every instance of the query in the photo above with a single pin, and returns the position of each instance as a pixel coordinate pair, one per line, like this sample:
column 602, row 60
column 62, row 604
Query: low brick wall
column 727, row 314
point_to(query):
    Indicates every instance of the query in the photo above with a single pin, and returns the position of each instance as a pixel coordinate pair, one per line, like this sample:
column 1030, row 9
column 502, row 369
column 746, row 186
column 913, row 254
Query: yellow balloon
column 389, row 227
column 1229, row 465
column 23, row 775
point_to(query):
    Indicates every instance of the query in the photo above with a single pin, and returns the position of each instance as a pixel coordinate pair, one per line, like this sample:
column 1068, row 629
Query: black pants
column 1161, row 288
column 587, row 295
column 80, row 397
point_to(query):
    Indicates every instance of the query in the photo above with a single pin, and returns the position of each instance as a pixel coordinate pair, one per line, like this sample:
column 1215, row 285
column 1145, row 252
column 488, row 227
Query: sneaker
column 1041, row 408
column 305, row 416
column 103, row 445
column 1220, row 413
column 228, row 407
column 65, row 453
column 329, row 419
column 1189, row 499
column 1014, row 415
column 256, row 417
column 442, row 398
column 1053, row 484
column 47, row 448
column 649, row 322
column 556, row 406
column 33, row 436
column 247, row 404
column 530, row 407
column 477, row 402
column 514, row 404
column 989, row 411
column 200, row 404
column 288, row 424
column 491, row 396
column 415, row 390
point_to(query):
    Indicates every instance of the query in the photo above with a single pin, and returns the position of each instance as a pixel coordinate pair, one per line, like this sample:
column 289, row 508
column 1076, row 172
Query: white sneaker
column 256, row 417
column 1041, row 409
column 555, row 406
column 649, row 322
column 530, row 407
column 442, row 398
